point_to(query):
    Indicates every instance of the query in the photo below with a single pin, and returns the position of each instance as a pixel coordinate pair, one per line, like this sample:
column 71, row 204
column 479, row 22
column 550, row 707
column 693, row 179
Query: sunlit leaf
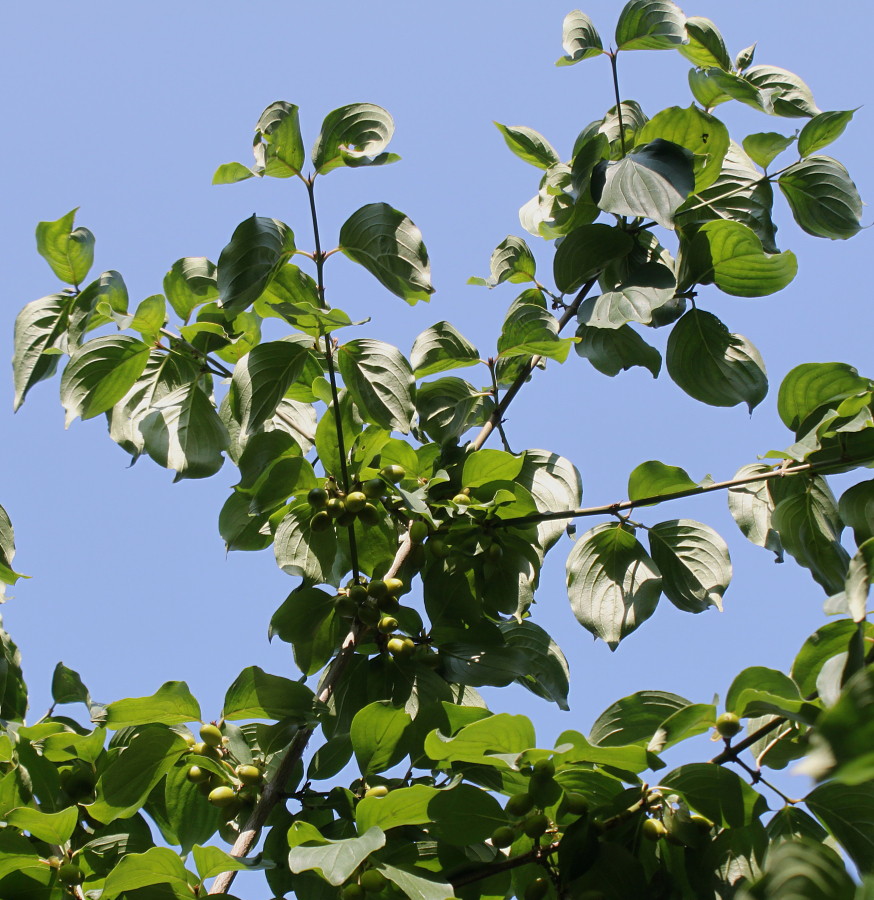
column 579, row 39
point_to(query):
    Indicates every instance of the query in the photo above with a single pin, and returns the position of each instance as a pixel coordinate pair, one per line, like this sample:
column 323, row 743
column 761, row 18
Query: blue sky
column 125, row 110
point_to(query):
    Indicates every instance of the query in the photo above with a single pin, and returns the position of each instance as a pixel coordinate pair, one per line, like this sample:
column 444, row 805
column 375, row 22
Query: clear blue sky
column 126, row 110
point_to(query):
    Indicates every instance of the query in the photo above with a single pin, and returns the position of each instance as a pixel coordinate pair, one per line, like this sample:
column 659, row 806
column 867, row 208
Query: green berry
column 387, row 624
column 204, row 749
column 520, row 804
column 728, row 725
column 358, row 593
column 503, row 837
column 653, row 829
column 418, row 531
column 335, row 507
column 70, row 874
column 461, row 500
column 373, row 881
column 701, row 823
column 321, row 521
column 373, row 489
column 222, row 796
column 393, row 586
column 352, row 891
column 368, row 614
column 495, row 555
column 211, row 735
column 576, row 803
column 438, row 548
column 394, row 474
column 249, row 774
column 544, row 768
column 377, row 588
column 537, row 889
column 317, row 498
column 369, row 515
column 400, row 646
column 378, row 791
column 535, row 825
column 388, row 604
column 356, row 501
column 196, row 775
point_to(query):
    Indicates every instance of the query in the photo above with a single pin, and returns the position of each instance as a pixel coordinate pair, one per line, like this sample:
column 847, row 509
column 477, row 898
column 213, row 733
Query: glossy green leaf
column 649, row 288
column 231, row 173
column 335, row 861
column 377, row 734
column 751, row 508
column 579, row 39
column 448, row 407
column 731, row 256
column 308, row 621
column 7, row 552
column 13, row 691
column 690, row 721
column 68, row 250
column 102, row 301
column 190, row 283
column 100, row 373
column 171, row 704
column 574, row 747
column 257, row 249
column 53, row 828
column 487, row 741
column 807, row 870
column 860, row 575
column 417, row 883
column 781, row 93
column 403, row 806
column 703, row 135
column 529, row 145
column 811, row 385
column 716, row 792
column 555, row 484
column 183, row 432
column 706, row 87
column 67, row 686
column 635, row 718
column 612, row 584
column 380, row 380
column 856, row 508
column 557, row 209
column 612, row 350
column 655, row 479
column 390, row 247
column 279, row 126
column 763, row 147
column 650, row 25
column 257, row 695
column 847, row 812
column 158, row 865
column 483, row 466
column 585, row 251
column 212, row 861
column 353, row 135
column 706, row 46
column 756, row 688
column 713, row 365
column 547, row 674
column 440, row 348
column 694, row 562
column 478, row 660
column 652, row 181
column 512, row 261
column 530, row 329
column 822, row 197
column 179, row 810
column 37, row 329
column 822, row 130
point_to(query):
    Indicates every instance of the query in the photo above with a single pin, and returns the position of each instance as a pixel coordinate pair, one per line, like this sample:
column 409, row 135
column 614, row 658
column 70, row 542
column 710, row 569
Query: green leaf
column 417, row 883
column 100, row 373
column 585, row 252
column 823, row 645
column 308, row 621
column 847, row 811
column 511, row 260
column 231, row 173
column 652, row 181
column 781, row 93
column 38, row 327
column 703, row 135
column 856, row 508
column 649, row 288
column 807, row 870
column 860, row 576
column 440, row 348
column 381, row 382
column 757, row 690
column 179, row 809
column 403, row 806
column 171, row 704
column 612, row 350
column 67, row 686
column 257, row 249
column 212, row 861
column 650, row 25
column 158, row 865
column 706, row 46
column 730, row 255
column 261, row 379
column 7, row 553
column 258, row 695
column 690, row 721
column 483, row 466
column 718, row 793
column 279, row 126
column 353, row 135
column 486, row 741
column 190, row 283
column 714, row 366
column 529, row 145
column 555, row 484
column 103, row 301
column 744, row 58
column 612, row 584
column 655, row 479
column 480, row 657
column 390, row 247
column 811, row 385
column 69, row 251
column 635, row 718
column 822, row 197
column 377, row 733
column 184, row 432
column 629, row 758
column 53, row 828
column 13, row 690
column 822, row 130
column 450, row 406
column 764, row 146
column 751, row 507
column 547, row 674
column 532, row 330
column 707, row 88
column 335, row 861
column 579, row 39
column 694, row 562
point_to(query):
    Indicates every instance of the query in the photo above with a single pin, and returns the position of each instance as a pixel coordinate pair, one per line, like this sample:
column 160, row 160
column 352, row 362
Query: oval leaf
column 353, row 135
column 822, row 197
column 380, row 381
column 650, row 25
column 579, row 39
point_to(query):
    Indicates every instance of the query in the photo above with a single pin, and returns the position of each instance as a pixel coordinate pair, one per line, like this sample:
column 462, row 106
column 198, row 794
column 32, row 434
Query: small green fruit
column 368, row 613
column 534, row 826
column 335, row 507
column 377, row 588
column 394, row 474
column 544, row 768
column 576, row 803
column 196, row 775
column 388, row 604
column 321, row 521
column 249, row 774
column 503, row 837
column 701, row 823
column 393, row 586
column 71, row 874
column 438, row 548
column 352, row 891
column 378, row 790
column 221, row 796
column 358, row 593
column 653, row 829
column 495, row 553
column 728, row 725
column 461, row 500
column 211, row 735
column 418, row 531
column 387, row 624
column 400, row 646
column 317, row 498
column 373, row 881
column 204, row 749
column 520, row 804
column 373, row 489
column 369, row 515
column 537, row 889
column 355, row 501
